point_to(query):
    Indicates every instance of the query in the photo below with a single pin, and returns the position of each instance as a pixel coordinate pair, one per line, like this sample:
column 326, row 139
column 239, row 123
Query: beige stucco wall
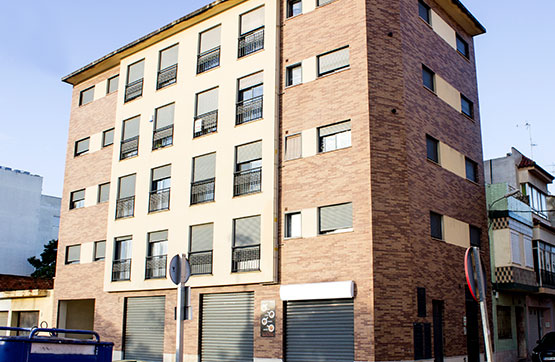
column 456, row 232
column 452, row 160
column 443, row 29
column 28, row 300
column 448, row 93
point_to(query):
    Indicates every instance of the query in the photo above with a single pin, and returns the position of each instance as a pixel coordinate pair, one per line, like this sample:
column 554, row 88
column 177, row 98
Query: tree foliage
column 45, row 267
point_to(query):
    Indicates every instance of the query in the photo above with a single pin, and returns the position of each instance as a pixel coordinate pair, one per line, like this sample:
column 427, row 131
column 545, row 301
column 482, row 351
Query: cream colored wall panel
column 91, row 195
column 310, row 69
column 87, row 253
column 5, row 304
column 308, row 6
column 448, row 93
column 444, row 30
column 456, row 232
column 309, row 142
column 309, row 222
column 452, row 160
column 95, row 142
column 100, row 89
column 502, row 247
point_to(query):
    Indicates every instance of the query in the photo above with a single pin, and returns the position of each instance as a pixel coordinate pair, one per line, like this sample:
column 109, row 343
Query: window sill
column 246, row 272
column 203, row 203
column 293, row 159
column 125, row 217
column 425, row 22
column 337, row 149
column 76, row 208
column 335, row 71
column 293, row 16
column 158, row 211
column 129, row 158
column 294, row 238
column 202, row 275
column 248, row 122
column 430, row 90
column 249, row 194
column 342, row 231
column 467, row 116
column 161, row 148
column 98, row 260
column 464, row 56
column 166, row 86
column 156, row 278
column 208, row 134
column 436, row 239
column 293, row 85
column 111, row 144
column 132, row 100
column 472, row 182
column 434, row 162
column 251, row 54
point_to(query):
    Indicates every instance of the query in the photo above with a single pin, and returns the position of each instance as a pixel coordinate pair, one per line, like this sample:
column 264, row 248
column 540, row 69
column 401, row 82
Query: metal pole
column 483, row 307
column 181, row 298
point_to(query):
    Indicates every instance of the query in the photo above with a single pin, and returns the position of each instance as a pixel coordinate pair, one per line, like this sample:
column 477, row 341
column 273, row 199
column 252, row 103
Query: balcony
column 125, row 207
column 129, row 148
column 201, row 262
column 133, row 90
column 251, row 42
column 159, row 200
column 155, row 267
column 206, row 123
column 248, row 110
column 121, row 269
column 245, row 258
column 166, row 76
column 547, row 278
column 208, row 60
column 247, row 182
column 515, row 279
column 202, row 191
column 162, row 137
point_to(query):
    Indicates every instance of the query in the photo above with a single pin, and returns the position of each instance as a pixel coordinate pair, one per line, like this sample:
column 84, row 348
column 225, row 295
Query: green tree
column 45, row 267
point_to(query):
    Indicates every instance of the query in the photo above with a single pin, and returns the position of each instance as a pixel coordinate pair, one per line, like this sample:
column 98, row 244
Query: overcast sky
column 45, row 40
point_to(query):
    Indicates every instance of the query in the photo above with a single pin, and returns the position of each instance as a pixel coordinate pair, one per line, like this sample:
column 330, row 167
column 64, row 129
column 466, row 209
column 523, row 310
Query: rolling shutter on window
column 293, row 147
column 251, row 80
column 104, row 192
column 210, row 39
column 204, row 167
column 227, row 332
column 335, row 128
column 130, row 128
column 207, row 101
column 336, row 217
column 144, row 328
column 334, row 60
column 164, row 116
column 73, row 253
column 158, row 236
column 249, row 152
column 168, row 57
column 126, row 186
column 515, row 248
column 252, row 20
column 320, row 330
column 100, row 249
column 78, row 195
column 135, row 71
column 247, row 231
column 201, row 237
column 161, row 173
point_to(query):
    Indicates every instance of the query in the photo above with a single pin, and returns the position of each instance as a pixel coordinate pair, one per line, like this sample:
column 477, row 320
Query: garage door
column 320, row 331
column 227, row 332
column 144, row 329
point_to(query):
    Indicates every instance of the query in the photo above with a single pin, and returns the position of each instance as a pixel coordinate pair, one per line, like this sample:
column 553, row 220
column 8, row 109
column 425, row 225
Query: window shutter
column 251, row 80
column 78, row 195
column 135, row 71
column 131, row 128
column 73, row 253
column 204, row 167
column 249, row 152
column 104, row 192
column 332, row 61
column 247, row 231
column 293, row 147
column 201, row 237
column 528, row 254
column 161, row 173
column 207, row 101
column 336, row 217
column 515, row 247
column 421, row 301
column 252, row 20
column 164, row 116
column 108, row 137
column 127, row 186
column 210, row 39
column 158, row 236
column 99, row 249
column 335, row 128
column 168, row 57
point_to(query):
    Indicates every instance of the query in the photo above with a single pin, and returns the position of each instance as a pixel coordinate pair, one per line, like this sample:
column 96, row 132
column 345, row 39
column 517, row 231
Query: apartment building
column 318, row 163
column 522, row 238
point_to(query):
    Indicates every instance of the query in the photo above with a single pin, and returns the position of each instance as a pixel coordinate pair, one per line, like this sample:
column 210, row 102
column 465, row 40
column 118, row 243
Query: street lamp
column 512, row 193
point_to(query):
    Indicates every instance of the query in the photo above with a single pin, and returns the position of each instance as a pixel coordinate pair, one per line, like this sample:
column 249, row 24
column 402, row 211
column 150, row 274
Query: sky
column 42, row 41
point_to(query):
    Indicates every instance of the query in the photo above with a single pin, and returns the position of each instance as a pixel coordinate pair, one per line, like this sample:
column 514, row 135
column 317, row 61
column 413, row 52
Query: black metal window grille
column 201, row 262
column 121, row 269
column 159, row 200
column 208, row 60
column 205, row 123
column 251, row 42
column 155, row 266
column 249, row 110
column 133, row 90
column 245, row 258
column 247, row 181
column 202, row 191
column 129, row 148
column 162, row 137
column 167, row 76
column 125, row 207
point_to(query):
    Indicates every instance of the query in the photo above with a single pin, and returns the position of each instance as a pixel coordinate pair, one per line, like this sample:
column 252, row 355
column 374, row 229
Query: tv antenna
column 528, row 126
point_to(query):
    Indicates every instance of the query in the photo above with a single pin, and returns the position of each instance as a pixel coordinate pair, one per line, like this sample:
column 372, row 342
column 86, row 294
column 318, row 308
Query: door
column 144, row 328
column 472, row 328
column 438, row 330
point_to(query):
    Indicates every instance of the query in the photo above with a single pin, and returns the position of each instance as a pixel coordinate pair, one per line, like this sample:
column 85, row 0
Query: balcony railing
column 251, row 42
column 155, row 267
column 206, row 123
column 129, row 148
column 245, row 258
column 159, row 200
column 201, row 262
column 121, row 269
column 202, row 191
column 249, row 110
column 125, row 207
column 167, row 76
column 162, row 137
column 133, row 90
column 547, row 279
column 247, row 182
column 208, row 60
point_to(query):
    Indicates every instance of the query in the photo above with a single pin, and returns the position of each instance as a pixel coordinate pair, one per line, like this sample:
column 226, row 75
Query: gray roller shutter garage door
column 320, row 331
column 144, row 329
column 227, row 332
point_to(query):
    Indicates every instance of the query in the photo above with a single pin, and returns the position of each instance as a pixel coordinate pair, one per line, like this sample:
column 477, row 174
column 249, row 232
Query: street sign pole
column 483, row 306
column 180, row 317
column 180, row 271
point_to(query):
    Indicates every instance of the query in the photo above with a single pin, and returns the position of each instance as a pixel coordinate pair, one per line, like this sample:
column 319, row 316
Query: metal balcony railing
column 121, row 269
column 129, row 148
column 245, row 258
column 159, row 200
column 162, row 137
column 208, row 60
column 166, row 76
column 547, row 278
column 247, row 182
column 251, row 42
column 155, row 267
column 206, row 123
column 249, row 110
column 201, row 262
column 202, row 191
column 133, row 90
column 125, row 207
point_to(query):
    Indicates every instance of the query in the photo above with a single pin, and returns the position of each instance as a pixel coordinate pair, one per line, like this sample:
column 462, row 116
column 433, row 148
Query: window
column 206, row 113
column 432, row 149
column 103, row 192
column 121, row 266
column 294, row 75
column 294, row 8
column 251, row 37
column 108, row 137
column 528, row 252
column 428, row 78
column 421, row 302
column 86, row 96
column 112, row 84
column 130, row 138
column 209, row 49
column 536, row 198
column 335, row 218
column 125, row 204
column 333, row 61
column 515, row 248
column 424, row 11
column 248, row 169
column 504, row 329
column 134, row 84
column 249, row 98
column 73, row 254
column 475, row 236
column 204, row 181
column 163, row 126
column 335, row 136
column 324, row 2
column 77, row 199
column 99, row 250
column 293, row 146
column 436, row 226
column 246, row 244
column 422, row 333
column 160, row 189
column 293, row 225
column 156, row 260
column 200, row 248
column 167, row 67
column 82, row 146
column 471, row 170
column 462, row 46
column 467, row 107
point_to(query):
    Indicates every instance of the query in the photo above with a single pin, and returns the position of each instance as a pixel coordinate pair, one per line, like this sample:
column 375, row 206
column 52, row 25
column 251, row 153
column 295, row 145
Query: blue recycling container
column 51, row 348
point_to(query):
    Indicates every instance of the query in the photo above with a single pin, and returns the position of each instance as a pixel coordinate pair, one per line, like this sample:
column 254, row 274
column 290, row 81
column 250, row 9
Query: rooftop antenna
column 528, row 126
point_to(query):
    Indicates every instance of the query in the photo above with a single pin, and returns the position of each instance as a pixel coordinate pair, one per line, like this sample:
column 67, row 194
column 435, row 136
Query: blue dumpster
column 52, row 348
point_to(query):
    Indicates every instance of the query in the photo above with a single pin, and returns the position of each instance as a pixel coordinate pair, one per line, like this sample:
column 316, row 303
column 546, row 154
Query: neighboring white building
column 28, row 220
